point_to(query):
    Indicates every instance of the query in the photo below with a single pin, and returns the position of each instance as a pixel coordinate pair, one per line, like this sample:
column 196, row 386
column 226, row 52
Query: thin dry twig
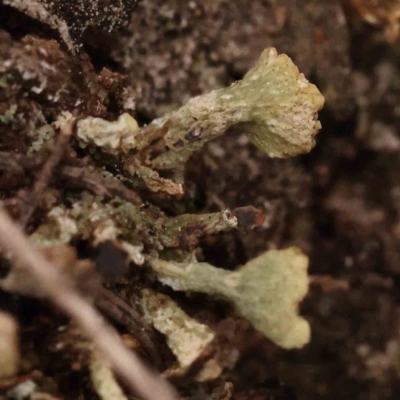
column 13, row 162
column 328, row 283
column 60, row 290
column 10, row 164
column 98, row 184
column 45, row 174
column 120, row 312
column 75, row 176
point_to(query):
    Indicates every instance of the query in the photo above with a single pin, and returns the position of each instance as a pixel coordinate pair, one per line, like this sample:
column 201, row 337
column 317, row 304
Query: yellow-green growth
column 274, row 104
column 186, row 337
column 266, row 291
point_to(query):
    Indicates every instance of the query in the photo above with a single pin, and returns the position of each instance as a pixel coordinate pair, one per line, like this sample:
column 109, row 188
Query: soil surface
column 340, row 203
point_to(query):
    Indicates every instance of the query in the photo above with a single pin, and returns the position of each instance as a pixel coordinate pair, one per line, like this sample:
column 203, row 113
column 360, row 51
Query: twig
column 120, row 312
column 10, row 164
column 329, row 283
column 60, row 290
column 17, row 163
column 36, row 10
column 75, row 176
column 98, row 184
column 47, row 170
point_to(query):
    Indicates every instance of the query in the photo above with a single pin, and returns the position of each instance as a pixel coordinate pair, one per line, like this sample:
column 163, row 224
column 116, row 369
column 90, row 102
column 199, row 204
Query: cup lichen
column 266, row 291
column 274, row 104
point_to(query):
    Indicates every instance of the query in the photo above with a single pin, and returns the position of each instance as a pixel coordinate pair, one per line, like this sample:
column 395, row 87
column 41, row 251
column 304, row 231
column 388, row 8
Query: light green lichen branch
column 9, row 348
column 274, row 104
column 266, row 291
column 189, row 227
column 96, row 220
column 116, row 136
column 8, row 116
column 103, row 379
column 186, row 337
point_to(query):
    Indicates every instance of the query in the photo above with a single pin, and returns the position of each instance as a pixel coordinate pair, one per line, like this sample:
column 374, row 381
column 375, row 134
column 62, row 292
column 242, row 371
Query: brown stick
column 60, row 290
column 16, row 163
column 328, row 283
column 115, row 308
column 45, row 174
column 98, row 184
column 79, row 177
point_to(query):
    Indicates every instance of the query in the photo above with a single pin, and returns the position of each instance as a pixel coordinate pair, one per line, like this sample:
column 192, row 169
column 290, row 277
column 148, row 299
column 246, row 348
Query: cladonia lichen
column 9, row 348
column 8, row 116
column 104, row 380
column 274, row 104
column 92, row 218
column 186, row 337
column 266, row 291
column 119, row 134
column 122, row 195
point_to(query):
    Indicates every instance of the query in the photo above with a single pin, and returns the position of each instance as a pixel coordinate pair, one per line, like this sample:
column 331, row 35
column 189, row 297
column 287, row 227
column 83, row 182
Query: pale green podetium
column 266, row 291
column 274, row 104
column 186, row 337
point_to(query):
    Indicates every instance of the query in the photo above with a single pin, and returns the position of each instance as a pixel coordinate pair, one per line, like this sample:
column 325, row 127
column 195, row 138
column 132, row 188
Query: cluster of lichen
column 266, row 291
column 277, row 108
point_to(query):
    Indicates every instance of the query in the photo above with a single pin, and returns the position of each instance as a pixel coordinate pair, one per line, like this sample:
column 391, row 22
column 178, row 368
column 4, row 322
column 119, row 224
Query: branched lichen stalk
column 91, row 218
column 274, row 104
column 266, row 291
column 186, row 337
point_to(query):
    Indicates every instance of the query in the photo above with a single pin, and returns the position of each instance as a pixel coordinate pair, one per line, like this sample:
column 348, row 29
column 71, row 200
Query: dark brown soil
column 340, row 203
